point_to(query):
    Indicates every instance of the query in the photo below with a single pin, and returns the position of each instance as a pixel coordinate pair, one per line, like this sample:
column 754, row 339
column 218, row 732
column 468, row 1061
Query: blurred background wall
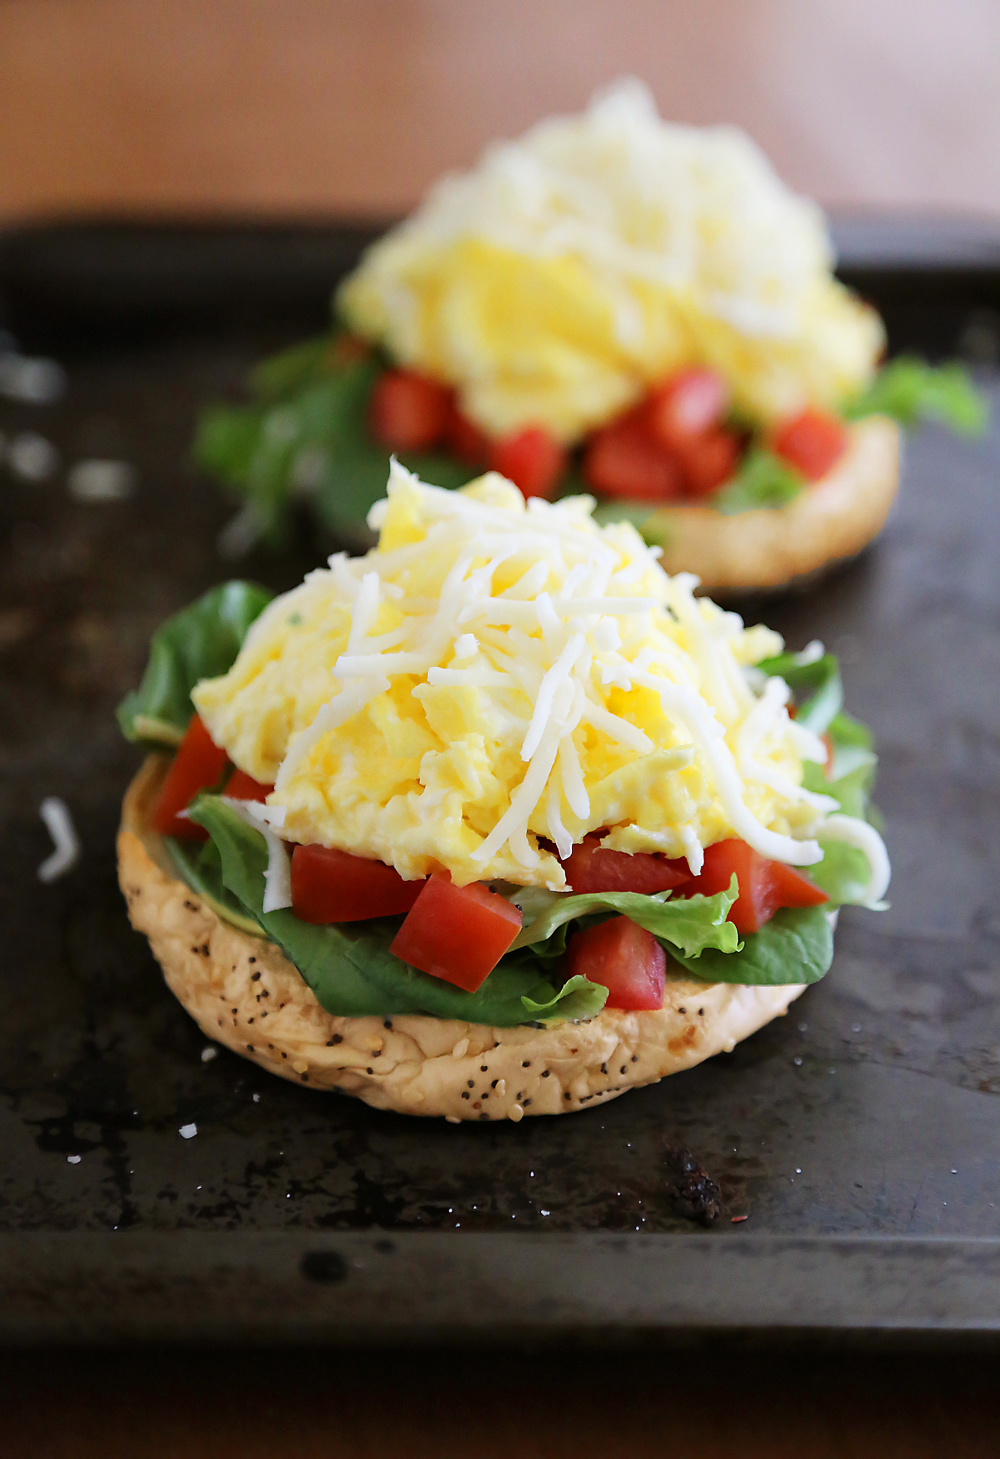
column 303, row 107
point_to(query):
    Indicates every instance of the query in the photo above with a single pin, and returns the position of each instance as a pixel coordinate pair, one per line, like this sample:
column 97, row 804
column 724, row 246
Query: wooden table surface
column 324, row 105
column 711, row 1402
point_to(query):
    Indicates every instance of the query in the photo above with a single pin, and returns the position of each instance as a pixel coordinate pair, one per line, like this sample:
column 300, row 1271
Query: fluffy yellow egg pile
column 569, row 271
column 499, row 677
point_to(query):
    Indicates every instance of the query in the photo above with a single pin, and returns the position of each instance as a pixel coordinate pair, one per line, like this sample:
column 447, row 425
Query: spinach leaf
column 225, row 441
column 282, row 374
column 796, row 946
column 199, row 864
column 763, row 481
column 308, row 438
column 910, row 390
column 690, row 924
column 199, row 642
column 350, row 968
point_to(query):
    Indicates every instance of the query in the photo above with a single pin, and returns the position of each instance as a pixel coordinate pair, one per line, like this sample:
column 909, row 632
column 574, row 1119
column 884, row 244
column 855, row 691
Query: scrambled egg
column 573, row 269
column 499, row 678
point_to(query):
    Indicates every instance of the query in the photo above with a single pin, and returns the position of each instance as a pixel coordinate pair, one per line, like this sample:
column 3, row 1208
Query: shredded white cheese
column 868, row 841
column 59, row 824
column 556, row 649
column 278, row 876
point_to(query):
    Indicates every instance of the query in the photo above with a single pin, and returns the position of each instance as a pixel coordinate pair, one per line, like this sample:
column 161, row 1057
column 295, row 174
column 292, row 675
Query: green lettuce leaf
column 821, row 677
column 199, row 642
column 308, row 438
column 850, row 782
column 850, row 776
column 910, row 390
column 689, row 924
column 350, row 968
column 763, row 481
column 842, row 874
column 796, row 946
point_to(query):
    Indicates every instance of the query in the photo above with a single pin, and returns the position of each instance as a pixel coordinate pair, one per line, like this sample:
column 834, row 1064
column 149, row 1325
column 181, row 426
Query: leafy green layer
column 763, row 482
column 819, row 678
column 199, row 864
column 307, row 436
column 688, row 925
column 910, row 390
column 843, row 873
column 350, row 968
column 796, row 946
column 851, row 774
column 196, row 643
column 352, row 972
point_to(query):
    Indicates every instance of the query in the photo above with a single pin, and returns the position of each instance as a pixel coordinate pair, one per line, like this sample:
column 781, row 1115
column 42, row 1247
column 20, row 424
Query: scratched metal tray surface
column 858, row 1136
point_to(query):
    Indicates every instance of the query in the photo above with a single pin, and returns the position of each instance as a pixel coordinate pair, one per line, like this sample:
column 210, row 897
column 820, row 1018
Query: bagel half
column 243, row 992
column 829, row 521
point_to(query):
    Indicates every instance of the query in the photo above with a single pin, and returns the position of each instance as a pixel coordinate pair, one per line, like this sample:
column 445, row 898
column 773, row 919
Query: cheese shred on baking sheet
column 499, row 678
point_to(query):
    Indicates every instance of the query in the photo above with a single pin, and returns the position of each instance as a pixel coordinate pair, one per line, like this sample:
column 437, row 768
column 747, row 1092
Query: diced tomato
column 623, row 460
column 532, row 459
column 812, row 442
column 241, row 786
column 625, row 958
column 464, row 439
column 765, row 885
column 588, row 868
column 408, row 412
column 709, row 461
column 457, row 933
column 198, row 765
column 687, row 405
column 329, row 885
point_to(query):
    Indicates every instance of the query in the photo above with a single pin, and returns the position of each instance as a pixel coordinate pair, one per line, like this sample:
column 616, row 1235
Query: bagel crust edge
column 243, row 992
column 830, row 521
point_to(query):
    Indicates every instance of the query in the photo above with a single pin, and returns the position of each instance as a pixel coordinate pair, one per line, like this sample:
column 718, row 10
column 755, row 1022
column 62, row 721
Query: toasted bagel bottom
column 243, row 992
column 828, row 522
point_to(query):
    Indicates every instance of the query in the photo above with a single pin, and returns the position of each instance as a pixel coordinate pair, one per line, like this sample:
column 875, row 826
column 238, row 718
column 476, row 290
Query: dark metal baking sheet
column 859, row 1135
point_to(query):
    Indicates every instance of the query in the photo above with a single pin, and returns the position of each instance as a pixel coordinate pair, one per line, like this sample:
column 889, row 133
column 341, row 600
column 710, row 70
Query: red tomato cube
column 457, row 933
column 625, row 958
column 198, row 765
column 464, row 439
column 589, row 868
column 408, row 412
column 330, row 885
column 764, row 885
column 687, row 405
column 709, row 461
column 241, row 786
column 623, row 460
column 532, row 459
column 812, row 442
